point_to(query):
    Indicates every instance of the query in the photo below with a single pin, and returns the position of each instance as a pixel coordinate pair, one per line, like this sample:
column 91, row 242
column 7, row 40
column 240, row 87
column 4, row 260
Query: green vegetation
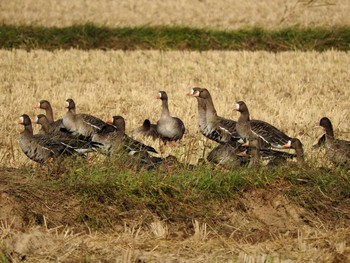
column 178, row 194
column 173, row 38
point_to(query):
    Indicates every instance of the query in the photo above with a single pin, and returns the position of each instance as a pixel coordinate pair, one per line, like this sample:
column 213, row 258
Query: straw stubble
column 291, row 90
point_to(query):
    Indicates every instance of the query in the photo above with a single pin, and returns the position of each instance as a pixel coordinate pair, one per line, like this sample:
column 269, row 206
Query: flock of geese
column 242, row 142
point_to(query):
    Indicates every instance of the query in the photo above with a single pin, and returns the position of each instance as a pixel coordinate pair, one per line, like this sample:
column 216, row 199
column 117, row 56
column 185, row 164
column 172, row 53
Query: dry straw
column 211, row 13
column 290, row 90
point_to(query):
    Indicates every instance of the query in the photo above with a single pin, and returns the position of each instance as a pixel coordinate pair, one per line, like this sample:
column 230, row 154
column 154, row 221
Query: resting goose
column 147, row 129
column 42, row 148
column 230, row 157
column 227, row 156
column 320, row 142
column 114, row 139
column 169, row 128
column 337, row 150
column 54, row 125
column 82, row 124
column 295, row 143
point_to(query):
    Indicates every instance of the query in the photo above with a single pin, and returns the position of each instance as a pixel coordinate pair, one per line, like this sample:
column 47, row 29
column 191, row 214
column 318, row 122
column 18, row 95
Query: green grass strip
column 173, row 38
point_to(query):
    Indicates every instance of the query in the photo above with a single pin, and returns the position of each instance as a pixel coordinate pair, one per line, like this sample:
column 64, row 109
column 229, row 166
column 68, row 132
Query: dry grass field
column 290, row 90
column 209, row 13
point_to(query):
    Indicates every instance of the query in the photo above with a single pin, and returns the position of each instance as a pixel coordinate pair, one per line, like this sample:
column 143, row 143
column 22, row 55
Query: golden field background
column 291, row 90
column 198, row 13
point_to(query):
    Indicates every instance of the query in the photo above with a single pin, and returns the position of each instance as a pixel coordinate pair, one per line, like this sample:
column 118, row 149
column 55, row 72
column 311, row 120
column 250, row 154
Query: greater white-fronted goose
column 224, row 130
column 227, row 156
column 115, row 140
column 243, row 126
column 338, row 151
column 249, row 137
column 42, row 148
column 210, row 124
column 82, row 124
column 54, row 125
column 295, row 143
column 63, row 135
column 168, row 127
column 147, row 129
column 269, row 135
column 320, row 142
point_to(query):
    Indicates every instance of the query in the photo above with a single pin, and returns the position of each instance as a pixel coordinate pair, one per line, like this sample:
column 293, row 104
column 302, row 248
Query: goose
column 62, row 134
column 169, row 128
column 54, row 125
column 231, row 157
column 249, row 137
column 147, row 129
column 320, row 142
column 82, row 124
column 113, row 139
column 224, row 130
column 338, row 150
column 211, row 125
column 227, row 156
column 42, row 148
column 295, row 143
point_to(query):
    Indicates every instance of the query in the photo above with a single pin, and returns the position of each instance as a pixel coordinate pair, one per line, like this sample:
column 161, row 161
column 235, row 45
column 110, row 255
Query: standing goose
column 82, row 124
column 114, row 139
column 147, row 129
column 63, row 135
column 338, row 151
column 244, row 129
column 169, row 128
column 267, row 132
column 54, row 125
column 210, row 124
column 42, row 148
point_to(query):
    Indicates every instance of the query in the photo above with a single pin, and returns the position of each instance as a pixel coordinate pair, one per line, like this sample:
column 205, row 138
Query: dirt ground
column 258, row 226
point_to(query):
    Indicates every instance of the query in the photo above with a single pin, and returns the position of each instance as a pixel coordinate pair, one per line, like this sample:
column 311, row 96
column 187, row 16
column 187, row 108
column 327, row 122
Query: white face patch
column 289, row 143
column 36, row 119
column 160, row 95
column 66, row 104
column 21, row 119
column 237, row 106
column 192, row 91
column 38, row 104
